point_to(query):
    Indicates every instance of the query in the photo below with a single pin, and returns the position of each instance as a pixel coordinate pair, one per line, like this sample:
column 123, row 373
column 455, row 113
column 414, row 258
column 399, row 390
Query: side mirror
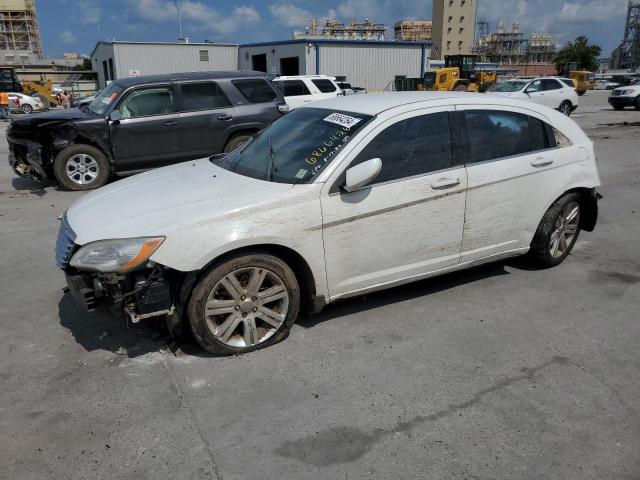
column 115, row 116
column 362, row 174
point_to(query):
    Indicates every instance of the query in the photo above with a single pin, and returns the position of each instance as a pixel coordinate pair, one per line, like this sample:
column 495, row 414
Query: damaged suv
column 139, row 123
column 333, row 200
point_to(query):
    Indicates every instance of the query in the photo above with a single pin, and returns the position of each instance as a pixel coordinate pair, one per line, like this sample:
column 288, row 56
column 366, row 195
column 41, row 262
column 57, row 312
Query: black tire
column 236, row 140
column 26, row 108
column 541, row 246
column 199, row 297
column 618, row 107
column 636, row 104
column 44, row 99
column 60, row 167
column 581, row 92
column 566, row 107
column 461, row 87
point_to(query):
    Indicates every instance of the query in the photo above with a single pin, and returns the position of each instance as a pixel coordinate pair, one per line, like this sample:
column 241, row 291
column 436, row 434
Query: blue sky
column 76, row 25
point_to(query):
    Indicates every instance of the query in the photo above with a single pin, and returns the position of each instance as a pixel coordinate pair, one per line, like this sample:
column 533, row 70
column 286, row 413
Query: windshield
column 102, row 101
column 295, row 148
column 510, row 86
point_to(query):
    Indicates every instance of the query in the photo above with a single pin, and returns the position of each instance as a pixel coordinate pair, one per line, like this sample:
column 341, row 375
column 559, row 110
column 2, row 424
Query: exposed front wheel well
column 300, row 267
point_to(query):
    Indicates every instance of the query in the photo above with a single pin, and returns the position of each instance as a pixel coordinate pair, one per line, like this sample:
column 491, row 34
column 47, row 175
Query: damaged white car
column 333, row 200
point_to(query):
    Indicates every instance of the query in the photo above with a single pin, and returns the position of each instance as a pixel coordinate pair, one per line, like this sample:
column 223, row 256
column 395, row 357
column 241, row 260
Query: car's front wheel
column 558, row 231
column 26, row 108
column 565, row 108
column 81, row 167
column 245, row 303
column 637, row 103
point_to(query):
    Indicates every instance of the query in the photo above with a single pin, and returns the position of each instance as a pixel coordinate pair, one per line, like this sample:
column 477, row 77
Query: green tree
column 577, row 55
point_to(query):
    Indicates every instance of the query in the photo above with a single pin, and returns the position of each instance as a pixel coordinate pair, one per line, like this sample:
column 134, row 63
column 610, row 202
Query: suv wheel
column 236, row 140
column 81, row 167
column 565, row 108
column 557, row 232
column 243, row 304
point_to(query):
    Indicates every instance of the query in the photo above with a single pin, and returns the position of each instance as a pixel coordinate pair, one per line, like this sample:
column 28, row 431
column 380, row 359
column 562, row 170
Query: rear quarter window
column 255, row 90
column 292, row 88
column 324, row 85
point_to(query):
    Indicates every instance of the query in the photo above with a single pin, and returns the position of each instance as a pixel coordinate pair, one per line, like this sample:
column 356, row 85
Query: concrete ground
column 502, row 372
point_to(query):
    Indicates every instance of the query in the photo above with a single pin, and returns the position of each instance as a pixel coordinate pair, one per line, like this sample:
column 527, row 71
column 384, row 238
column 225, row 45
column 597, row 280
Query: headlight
column 119, row 255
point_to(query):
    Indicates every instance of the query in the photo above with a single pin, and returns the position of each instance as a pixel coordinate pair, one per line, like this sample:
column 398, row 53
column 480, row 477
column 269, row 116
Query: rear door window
column 292, row 88
column 551, row 85
column 255, row 90
column 202, row 96
column 324, row 85
column 493, row 134
column 146, row 102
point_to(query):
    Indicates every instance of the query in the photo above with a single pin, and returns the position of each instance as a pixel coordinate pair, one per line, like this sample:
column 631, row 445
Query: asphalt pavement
column 500, row 372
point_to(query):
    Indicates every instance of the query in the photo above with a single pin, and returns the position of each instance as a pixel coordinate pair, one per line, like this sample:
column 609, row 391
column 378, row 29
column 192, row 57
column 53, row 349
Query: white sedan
column 333, row 200
column 549, row 91
column 24, row 103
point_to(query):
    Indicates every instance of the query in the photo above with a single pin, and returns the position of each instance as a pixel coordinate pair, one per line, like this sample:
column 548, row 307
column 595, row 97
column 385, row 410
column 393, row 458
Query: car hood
column 169, row 198
column 49, row 118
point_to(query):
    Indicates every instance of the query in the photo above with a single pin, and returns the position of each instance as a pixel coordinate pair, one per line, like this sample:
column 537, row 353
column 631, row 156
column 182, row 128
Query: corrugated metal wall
column 150, row 59
column 371, row 66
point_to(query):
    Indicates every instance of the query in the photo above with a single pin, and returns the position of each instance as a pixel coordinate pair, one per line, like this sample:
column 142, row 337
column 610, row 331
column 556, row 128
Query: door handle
column 443, row 183
column 541, row 162
column 225, row 117
column 170, row 123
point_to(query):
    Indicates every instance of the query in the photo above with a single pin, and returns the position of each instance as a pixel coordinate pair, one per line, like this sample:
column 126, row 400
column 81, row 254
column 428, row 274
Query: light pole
column 177, row 2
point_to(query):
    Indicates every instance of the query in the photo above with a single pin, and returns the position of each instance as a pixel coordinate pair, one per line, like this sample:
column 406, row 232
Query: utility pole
column 180, row 37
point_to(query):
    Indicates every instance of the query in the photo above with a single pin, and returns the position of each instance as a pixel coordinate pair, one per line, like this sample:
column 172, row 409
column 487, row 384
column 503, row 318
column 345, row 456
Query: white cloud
column 89, row 11
column 596, row 10
column 67, row 37
column 195, row 15
column 290, row 15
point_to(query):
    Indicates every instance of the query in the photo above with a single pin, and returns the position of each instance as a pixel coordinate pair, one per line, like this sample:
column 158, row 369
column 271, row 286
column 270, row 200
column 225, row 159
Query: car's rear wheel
column 618, row 107
column 26, row 108
column 81, row 167
column 558, row 231
column 565, row 108
column 243, row 304
column 236, row 140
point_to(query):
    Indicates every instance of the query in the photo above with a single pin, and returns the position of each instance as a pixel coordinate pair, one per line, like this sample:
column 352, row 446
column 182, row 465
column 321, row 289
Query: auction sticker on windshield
column 342, row 120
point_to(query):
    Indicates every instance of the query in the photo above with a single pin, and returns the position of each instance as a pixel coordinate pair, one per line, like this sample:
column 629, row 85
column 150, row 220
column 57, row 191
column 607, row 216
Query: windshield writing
column 297, row 147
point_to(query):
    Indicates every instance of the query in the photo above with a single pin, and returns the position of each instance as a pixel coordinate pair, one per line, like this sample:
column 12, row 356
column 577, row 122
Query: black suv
column 143, row 122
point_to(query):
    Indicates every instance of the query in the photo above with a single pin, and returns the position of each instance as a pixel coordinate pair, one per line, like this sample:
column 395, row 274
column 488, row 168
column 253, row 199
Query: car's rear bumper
column 622, row 101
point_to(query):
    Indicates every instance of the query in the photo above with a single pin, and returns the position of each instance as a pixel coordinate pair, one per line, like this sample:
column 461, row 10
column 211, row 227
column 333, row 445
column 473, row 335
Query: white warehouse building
column 113, row 60
column 365, row 63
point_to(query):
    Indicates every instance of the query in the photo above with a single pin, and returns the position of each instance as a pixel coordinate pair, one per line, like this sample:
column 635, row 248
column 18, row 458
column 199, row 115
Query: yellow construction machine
column 583, row 80
column 459, row 74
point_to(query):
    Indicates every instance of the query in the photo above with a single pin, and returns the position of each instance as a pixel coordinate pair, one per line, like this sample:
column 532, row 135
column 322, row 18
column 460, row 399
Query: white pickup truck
column 301, row 90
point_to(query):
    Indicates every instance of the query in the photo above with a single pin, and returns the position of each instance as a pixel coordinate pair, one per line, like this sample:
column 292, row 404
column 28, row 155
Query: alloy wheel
column 565, row 108
column 566, row 228
column 82, row 169
column 246, row 307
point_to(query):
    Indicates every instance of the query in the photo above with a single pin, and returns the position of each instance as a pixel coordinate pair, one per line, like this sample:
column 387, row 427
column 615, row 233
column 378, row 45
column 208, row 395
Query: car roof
column 376, row 103
column 174, row 77
column 298, row 77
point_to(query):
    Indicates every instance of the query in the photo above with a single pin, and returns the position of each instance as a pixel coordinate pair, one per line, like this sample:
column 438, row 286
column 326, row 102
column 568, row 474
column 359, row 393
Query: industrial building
column 113, row 60
column 19, row 33
column 413, row 30
column 454, row 24
column 367, row 63
column 510, row 47
column 627, row 55
column 334, row 30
